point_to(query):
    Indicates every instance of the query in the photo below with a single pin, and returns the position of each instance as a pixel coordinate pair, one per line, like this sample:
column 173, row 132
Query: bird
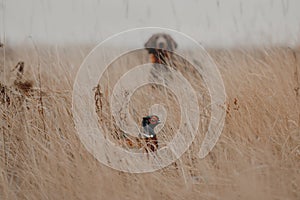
column 148, row 134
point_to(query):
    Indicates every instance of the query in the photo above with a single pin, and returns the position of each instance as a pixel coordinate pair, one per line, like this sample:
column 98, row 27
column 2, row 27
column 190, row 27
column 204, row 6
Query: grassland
column 256, row 157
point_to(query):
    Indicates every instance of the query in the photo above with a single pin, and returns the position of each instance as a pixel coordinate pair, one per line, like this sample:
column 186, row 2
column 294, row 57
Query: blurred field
column 256, row 157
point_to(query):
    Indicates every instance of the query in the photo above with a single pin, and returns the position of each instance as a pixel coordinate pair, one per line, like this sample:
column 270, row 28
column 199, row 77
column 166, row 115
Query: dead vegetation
column 257, row 156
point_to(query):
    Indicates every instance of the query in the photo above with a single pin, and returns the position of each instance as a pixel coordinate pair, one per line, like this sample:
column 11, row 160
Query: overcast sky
column 211, row 22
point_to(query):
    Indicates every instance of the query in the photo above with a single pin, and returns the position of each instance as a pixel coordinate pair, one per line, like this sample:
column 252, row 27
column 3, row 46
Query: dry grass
column 257, row 156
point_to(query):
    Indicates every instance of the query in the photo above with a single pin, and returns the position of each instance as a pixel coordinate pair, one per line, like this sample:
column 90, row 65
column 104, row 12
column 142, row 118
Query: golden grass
column 256, row 157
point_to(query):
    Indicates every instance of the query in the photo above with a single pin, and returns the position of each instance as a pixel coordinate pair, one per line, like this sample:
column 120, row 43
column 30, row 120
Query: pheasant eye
column 153, row 120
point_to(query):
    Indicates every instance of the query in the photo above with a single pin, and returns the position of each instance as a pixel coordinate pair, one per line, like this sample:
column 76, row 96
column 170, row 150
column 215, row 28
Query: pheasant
column 148, row 133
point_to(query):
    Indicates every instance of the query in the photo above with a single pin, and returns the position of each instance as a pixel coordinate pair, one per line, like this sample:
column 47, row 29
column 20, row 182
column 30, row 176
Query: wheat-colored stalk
column 256, row 157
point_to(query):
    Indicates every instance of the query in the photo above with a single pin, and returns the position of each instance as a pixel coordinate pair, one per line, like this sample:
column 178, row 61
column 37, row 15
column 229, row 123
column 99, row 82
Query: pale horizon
column 211, row 23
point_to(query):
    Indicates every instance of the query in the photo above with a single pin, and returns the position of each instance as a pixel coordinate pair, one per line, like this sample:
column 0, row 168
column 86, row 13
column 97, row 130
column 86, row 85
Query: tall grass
column 256, row 157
